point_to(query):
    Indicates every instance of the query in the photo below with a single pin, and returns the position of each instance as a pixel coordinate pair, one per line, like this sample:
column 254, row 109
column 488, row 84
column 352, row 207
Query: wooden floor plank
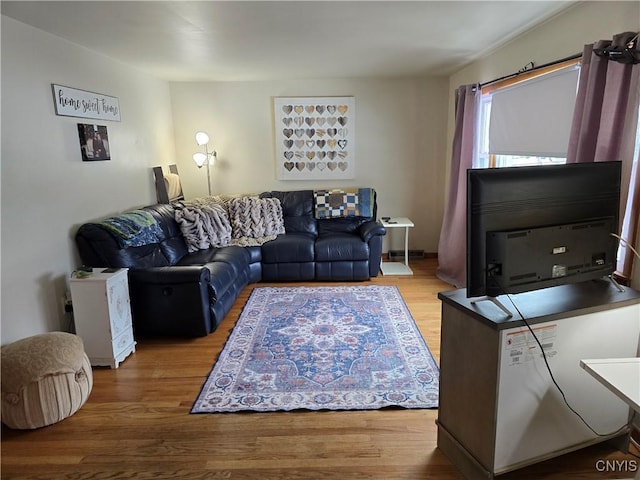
column 137, row 425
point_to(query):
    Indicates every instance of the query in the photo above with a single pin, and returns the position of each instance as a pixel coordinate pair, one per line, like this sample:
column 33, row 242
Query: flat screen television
column 536, row 227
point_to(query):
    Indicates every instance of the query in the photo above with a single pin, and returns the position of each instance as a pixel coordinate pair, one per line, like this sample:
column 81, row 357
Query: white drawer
column 124, row 343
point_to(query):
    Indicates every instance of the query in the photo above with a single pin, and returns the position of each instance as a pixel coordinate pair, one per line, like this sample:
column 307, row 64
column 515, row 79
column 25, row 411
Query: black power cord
column 553, row 379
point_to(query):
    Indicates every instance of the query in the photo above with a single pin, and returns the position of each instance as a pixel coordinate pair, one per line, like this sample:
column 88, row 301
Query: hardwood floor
column 136, row 424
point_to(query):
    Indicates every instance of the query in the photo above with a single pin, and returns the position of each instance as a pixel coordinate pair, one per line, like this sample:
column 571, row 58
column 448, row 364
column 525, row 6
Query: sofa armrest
column 368, row 229
column 174, row 301
column 169, row 275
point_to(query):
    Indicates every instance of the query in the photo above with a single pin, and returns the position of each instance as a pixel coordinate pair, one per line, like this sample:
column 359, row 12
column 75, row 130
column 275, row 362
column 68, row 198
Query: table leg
column 406, row 246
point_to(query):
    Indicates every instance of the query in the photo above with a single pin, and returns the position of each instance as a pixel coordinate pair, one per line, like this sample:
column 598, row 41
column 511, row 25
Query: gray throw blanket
column 204, row 226
column 254, row 217
column 229, row 220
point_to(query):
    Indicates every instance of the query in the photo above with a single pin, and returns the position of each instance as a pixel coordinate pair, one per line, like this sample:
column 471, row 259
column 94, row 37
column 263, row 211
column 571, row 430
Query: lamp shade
column 202, row 138
column 200, row 159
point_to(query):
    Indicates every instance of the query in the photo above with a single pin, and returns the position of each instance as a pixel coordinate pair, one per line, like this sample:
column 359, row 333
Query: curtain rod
column 533, row 69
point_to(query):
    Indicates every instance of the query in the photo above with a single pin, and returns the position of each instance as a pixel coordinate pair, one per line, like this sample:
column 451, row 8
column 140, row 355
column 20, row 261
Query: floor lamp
column 207, row 158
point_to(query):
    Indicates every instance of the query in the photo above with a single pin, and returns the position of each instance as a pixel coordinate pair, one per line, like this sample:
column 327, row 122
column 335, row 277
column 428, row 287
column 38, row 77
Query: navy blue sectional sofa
column 177, row 293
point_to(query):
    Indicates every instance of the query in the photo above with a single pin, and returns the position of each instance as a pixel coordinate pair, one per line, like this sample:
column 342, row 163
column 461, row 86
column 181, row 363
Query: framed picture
column 315, row 138
column 94, row 142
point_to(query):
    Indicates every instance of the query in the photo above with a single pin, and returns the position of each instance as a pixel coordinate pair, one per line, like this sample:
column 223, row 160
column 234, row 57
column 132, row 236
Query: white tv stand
column 499, row 410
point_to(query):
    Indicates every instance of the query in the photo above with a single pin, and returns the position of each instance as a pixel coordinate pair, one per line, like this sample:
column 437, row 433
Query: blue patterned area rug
column 315, row 348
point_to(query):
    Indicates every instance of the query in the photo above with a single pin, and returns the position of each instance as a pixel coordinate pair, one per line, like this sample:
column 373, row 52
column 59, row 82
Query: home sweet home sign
column 73, row 102
column 315, row 138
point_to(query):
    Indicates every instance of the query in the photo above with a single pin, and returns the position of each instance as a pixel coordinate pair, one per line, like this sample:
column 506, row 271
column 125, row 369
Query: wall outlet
column 67, row 304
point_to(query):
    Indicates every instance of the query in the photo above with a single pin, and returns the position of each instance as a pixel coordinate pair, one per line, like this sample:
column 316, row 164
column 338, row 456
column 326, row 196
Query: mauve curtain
column 452, row 247
column 605, row 125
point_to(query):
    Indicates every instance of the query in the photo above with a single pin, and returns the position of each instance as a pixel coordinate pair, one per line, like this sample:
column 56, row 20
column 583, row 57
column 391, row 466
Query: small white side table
column 102, row 315
column 398, row 268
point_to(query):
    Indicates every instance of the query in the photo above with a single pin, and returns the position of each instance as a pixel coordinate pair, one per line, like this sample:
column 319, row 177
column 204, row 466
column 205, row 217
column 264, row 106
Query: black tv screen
column 536, row 227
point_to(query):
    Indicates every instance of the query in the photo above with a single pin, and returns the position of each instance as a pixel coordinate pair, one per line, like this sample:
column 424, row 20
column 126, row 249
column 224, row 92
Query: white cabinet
column 499, row 408
column 532, row 421
column 102, row 315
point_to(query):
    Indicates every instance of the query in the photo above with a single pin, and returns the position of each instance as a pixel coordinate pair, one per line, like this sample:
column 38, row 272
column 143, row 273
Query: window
column 529, row 142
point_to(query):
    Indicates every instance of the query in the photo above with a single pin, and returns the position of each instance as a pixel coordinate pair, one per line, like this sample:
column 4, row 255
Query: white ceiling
column 264, row 40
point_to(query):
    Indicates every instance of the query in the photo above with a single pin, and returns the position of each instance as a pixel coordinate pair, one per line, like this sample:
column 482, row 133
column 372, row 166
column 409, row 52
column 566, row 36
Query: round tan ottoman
column 45, row 378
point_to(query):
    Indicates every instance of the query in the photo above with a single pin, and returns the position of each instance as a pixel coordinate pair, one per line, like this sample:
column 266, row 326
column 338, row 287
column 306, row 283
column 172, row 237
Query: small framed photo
column 94, row 142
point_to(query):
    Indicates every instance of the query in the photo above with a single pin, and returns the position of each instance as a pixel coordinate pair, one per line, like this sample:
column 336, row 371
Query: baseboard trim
column 413, row 254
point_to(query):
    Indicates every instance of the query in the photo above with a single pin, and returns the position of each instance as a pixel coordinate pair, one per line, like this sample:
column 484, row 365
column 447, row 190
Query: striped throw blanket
column 134, row 228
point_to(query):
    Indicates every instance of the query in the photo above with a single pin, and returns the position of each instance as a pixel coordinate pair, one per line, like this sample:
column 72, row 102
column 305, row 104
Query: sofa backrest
column 298, row 207
column 297, row 210
column 172, row 243
column 98, row 247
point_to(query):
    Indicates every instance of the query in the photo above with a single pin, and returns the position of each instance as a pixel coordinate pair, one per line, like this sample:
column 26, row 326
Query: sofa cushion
column 345, row 271
column 255, row 254
column 99, row 248
column 341, row 247
column 289, row 248
column 340, row 225
column 288, row 272
column 171, row 243
column 238, row 257
column 228, row 267
column 223, row 277
column 297, row 209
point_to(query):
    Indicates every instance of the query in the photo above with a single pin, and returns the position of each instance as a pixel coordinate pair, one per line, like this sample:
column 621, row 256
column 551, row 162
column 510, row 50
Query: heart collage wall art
column 315, row 138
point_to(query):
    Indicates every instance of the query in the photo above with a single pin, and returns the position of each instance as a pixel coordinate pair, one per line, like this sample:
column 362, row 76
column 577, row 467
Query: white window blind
column 534, row 117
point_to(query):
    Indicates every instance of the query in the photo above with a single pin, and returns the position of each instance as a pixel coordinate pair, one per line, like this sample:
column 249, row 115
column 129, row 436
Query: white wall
column 400, row 142
column 47, row 190
column 560, row 37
